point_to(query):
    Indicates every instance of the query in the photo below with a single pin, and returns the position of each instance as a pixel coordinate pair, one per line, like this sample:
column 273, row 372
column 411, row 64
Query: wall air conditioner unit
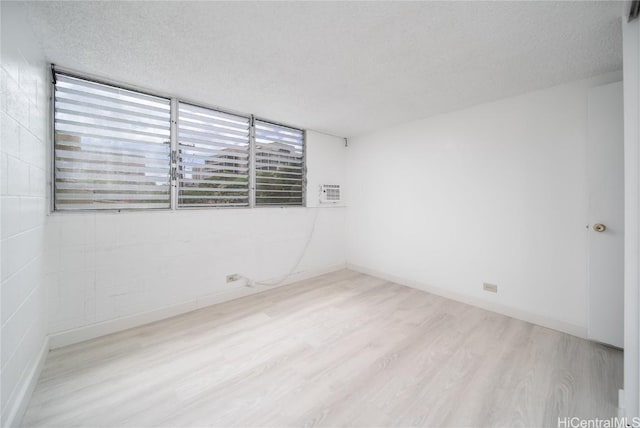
column 330, row 194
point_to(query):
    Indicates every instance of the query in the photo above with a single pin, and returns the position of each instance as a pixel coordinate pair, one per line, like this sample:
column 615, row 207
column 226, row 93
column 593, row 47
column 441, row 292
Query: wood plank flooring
column 343, row 349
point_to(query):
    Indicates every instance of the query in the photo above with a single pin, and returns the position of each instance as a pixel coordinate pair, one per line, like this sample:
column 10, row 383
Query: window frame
column 253, row 169
column 53, row 206
column 249, row 117
column 173, row 161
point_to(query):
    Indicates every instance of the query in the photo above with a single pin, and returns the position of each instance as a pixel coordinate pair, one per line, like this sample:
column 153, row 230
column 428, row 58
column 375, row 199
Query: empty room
column 320, row 213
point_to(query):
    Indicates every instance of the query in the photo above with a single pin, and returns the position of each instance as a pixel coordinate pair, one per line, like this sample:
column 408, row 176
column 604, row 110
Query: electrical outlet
column 492, row 288
column 233, row 277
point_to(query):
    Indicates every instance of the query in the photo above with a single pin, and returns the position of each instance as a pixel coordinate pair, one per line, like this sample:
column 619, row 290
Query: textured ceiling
column 345, row 68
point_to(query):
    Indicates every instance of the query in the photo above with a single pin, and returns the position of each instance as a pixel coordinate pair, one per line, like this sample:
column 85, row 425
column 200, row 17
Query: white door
column 605, row 163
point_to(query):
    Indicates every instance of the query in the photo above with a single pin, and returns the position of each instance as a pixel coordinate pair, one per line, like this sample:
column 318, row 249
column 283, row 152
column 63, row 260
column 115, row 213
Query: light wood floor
column 340, row 349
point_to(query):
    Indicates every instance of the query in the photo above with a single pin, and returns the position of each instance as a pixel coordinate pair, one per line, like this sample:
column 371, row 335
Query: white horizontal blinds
column 213, row 158
column 279, row 152
column 112, row 147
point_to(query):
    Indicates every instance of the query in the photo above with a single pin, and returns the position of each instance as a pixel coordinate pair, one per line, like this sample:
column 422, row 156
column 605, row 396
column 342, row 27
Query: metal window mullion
column 252, row 162
column 52, row 130
column 174, row 153
column 304, row 168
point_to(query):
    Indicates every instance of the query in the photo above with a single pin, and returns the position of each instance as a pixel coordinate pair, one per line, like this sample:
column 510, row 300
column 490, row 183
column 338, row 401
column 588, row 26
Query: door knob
column 599, row 227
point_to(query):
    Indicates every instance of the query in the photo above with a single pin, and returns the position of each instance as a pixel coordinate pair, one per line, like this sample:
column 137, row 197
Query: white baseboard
column 15, row 410
column 554, row 324
column 80, row 334
column 246, row 291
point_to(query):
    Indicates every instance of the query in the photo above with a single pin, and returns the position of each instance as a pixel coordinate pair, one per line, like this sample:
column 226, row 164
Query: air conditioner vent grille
column 330, row 193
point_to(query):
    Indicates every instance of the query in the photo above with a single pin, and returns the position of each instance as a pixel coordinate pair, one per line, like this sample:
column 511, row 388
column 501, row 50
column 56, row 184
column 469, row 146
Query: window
column 279, row 164
column 121, row 149
column 112, row 147
column 213, row 158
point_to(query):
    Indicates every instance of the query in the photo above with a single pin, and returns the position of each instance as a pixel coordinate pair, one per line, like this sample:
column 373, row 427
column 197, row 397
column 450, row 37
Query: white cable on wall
column 280, row 280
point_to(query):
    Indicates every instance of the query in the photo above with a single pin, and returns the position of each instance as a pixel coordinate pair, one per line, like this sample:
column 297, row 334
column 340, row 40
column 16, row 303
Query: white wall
column 326, row 164
column 108, row 271
column 631, row 36
column 24, row 115
column 495, row 193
